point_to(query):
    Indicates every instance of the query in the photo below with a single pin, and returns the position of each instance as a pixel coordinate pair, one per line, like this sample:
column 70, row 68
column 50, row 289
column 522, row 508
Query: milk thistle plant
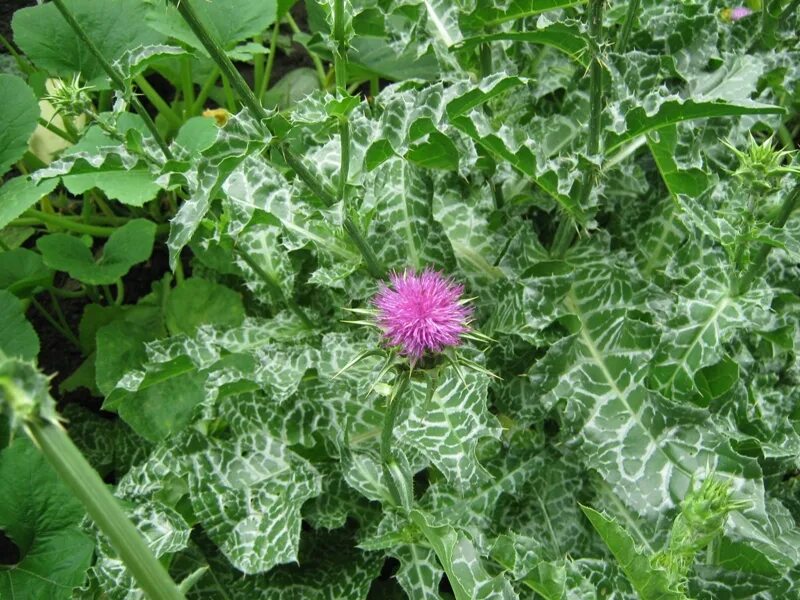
column 438, row 300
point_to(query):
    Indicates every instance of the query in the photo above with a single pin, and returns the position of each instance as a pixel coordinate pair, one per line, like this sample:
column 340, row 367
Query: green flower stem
column 387, row 456
column 267, row 75
column 230, row 100
column 104, row 510
column 627, row 26
column 115, row 77
column 23, row 64
column 759, row 262
column 249, row 99
column 159, row 102
column 37, row 217
column 275, row 287
column 66, row 136
column 344, row 165
column 314, row 58
column 566, row 228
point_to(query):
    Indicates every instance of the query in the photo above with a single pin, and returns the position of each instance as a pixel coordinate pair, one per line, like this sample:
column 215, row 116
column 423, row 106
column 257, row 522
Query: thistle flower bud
column 70, row 98
column 760, row 164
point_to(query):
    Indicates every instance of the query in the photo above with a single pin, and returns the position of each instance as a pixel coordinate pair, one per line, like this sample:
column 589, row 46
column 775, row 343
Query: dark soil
column 7, row 10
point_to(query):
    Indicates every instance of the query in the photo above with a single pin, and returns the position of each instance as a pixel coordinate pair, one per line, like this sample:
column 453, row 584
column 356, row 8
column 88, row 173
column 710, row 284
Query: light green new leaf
column 17, row 119
column 650, row 583
column 115, row 27
column 42, row 518
column 130, row 244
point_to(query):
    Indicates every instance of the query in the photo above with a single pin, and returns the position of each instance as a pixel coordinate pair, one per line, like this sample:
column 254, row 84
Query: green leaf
column 229, row 21
column 22, row 272
column 650, row 583
column 195, row 302
column 447, row 427
column 461, row 562
column 488, row 14
column 19, row 194
column 17, row 336
column 130, row 244
column 437, row 152
column 46, row 38
column 565, row 38
column 18, row 119
column 42, row 518
column 639, row 122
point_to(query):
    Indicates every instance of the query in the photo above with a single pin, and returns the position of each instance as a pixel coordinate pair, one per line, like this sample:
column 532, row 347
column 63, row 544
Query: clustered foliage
column 613, row 183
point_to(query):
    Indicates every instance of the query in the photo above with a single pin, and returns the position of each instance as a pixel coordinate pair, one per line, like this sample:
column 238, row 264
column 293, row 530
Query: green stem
column 68, row 224
column 788, row 10
column 373, row 264
column 249, row 99
column 318, row 66
column 61, row 318
column 344, row 165
column 486, row 59
column 24, row 66
column 340, row 68
column 208, row 85
column 390, row 466
column 267, row 75
column 757, row 266
column 66, row 136
column 566, row 228
column 68, row 335
column 275, row 287
column 230, row 100
column 115, row 77
column 104, row 510
column 159, row 102
column 627, row 26
column 187, row 85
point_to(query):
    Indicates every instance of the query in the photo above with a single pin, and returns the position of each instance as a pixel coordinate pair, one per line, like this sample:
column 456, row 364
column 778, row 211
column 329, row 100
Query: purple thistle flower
column 422, row 312
column 736, row 14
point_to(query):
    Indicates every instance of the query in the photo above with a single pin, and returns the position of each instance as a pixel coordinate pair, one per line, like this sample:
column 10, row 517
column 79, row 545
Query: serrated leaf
column 650, row 583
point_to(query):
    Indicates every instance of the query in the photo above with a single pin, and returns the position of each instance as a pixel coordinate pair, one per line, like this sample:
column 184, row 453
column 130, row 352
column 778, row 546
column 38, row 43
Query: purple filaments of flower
column 421, row 312
column 740, row 12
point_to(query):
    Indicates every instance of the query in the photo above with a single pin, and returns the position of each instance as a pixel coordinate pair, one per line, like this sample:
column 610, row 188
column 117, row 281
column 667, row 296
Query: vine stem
column 249, row 99
column 757, row 266
column 627, row 26
column 566, row 228
column 115, row 77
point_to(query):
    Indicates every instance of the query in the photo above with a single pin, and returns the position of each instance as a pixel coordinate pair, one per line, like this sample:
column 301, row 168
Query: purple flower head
column 737, row 13
column 421, row 313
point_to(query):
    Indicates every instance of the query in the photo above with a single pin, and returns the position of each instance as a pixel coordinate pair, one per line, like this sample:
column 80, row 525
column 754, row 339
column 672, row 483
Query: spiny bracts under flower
column 422, row 313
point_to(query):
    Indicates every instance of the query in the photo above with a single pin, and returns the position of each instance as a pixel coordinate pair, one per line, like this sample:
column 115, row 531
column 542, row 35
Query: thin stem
column 318, row 188
column 55, row 324
column 230, row 101
column 218, row 55
column 566, row 228
column 275, row 287
column 344, row 165
column 187, row 85
column 273, row 48
column 24, row 66
column 66, row 136
column 159, row 102
column 258, row 66
column 115, row 77
column 318, row 66
column 208, row 85
column 340, row 67
column 61, row 318
column 373, row 264
column 757, row 266
column 390, row 466
column 627, row 26
column 68, row 224
column 104, row 510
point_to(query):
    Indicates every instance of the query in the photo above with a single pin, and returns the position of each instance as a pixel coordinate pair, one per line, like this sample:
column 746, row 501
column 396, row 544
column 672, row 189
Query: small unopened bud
column 70, row 98
column 220, row 115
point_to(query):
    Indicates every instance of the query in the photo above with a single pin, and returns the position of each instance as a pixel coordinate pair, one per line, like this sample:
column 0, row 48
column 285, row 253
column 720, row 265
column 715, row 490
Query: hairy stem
column 112, row 73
